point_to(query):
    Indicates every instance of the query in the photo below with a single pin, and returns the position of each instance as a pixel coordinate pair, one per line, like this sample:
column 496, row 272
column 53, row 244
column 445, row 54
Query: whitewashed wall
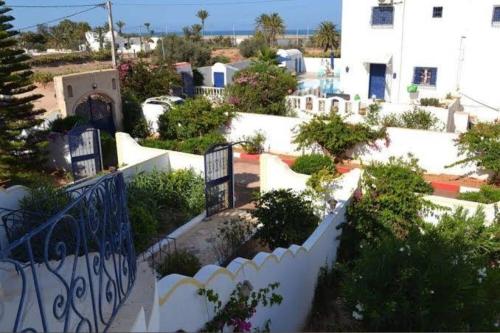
column 279, row 131
column 434, row 150
column 453, row 204
column 314, row 65
column 271, row 166
column 296, row 268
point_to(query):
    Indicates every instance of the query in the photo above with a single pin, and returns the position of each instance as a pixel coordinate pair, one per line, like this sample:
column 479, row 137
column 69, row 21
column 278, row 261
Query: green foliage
column 481, row 145
column 287, row 218
column 254, row 144
column 109, row 152
column 220, row 58
column 413, row 119
column 193, row 119
column 250, row 47
column 231, row 236
column 373, row 116
column 220, row 42
column 70, row 58
column 430, row 102
column 43, row 77
column 179, row 262
column 327, row 36
column 262, row 88
column 198, row 145
column 268, row 56
column 178, row 49
column 134, row 121
column 270, row 26
column 63, row 125
column 309, row 164
column 488, row 194
column 334, row 135
column 66, row 34
column 159, row 198
column 440, row 280
column 22, row 147
column 144, row 80
column 240, row 307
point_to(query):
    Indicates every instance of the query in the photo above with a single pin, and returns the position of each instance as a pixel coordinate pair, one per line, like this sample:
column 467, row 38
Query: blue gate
column 219, row 79
column 98, row 111
column 377, row 81
column 85, row 151
column 219, row 179
column 72, row 271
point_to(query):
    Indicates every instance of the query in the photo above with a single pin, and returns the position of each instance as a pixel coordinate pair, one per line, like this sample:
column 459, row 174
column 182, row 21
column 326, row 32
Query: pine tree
column 21, row 145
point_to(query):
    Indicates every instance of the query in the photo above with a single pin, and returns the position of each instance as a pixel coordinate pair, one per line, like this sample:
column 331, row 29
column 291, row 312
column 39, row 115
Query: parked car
column 154, row 107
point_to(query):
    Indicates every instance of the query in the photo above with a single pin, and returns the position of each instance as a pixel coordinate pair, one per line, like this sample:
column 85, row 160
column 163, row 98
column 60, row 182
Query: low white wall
column 314, row 65
column 296, row 268
column 434, row 150
column 279, row 131
column 445, row 120
column 276, row 174
column 134, row 158
column 453, row 204
column 9, row 199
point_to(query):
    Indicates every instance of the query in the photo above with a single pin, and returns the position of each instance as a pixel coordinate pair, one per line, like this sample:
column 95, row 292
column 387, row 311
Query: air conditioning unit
column 386, row 2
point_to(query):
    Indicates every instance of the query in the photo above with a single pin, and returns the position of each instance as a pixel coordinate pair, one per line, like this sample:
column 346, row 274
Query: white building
column 130, row 45
column 220, row 75
column 292, row 60
column 444, row 46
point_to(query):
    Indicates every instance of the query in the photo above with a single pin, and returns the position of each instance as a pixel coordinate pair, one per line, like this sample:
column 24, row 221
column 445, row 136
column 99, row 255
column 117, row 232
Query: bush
column 231, row 236
column 179, row 262
column 262, row 88
column 254, row 144
column 144, row 225
column 197, row 146
column 487, row 195
column 287, row 218
column 481, row 146
column 134, row 121
column 63, row 125
column 419, row 119
column 335, row 136
column 220, row 58
column 109, row 152
column 178, row 49
column 43, row 77
column 193, row 119
column 70, row 58
column 430, row 102
column 309, row 164
column 250, row 47
column 440, row 280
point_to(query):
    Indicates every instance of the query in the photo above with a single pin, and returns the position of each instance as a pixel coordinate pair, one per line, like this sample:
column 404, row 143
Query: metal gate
column 98, row 111
column 219, row 179
column 85, row 150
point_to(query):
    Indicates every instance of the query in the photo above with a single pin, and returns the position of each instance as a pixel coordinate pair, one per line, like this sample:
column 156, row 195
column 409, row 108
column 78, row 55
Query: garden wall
column 314, row 65
column 270, row 167
column 296, row 268
column 453, row 204
column 133, row 158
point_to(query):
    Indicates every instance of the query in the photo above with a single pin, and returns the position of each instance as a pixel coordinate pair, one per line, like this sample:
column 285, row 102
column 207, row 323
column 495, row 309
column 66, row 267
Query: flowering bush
column 241, row 306
column 262, row 88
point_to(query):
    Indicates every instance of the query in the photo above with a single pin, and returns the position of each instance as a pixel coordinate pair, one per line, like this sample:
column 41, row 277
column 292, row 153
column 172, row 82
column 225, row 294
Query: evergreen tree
column 21, row 145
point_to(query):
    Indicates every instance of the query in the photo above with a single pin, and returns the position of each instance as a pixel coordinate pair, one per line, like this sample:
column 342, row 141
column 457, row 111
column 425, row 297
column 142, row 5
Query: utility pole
column 112, row 31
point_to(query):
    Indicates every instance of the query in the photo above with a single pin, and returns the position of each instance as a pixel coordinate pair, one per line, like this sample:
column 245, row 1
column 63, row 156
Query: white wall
column 453, row 204
column 270, row 167
column 434, row 150
column 314, row 65
column 424, row 41
column 296, row 268
column 59, row 154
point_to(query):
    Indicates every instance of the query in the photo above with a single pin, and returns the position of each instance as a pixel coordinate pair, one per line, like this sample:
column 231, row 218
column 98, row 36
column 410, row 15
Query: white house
column 292, row 60
column 442, row 46
column 130, row 45
column 220, row 75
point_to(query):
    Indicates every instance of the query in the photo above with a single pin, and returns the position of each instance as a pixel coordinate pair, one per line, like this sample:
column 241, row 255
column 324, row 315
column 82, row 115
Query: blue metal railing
column 72, row 271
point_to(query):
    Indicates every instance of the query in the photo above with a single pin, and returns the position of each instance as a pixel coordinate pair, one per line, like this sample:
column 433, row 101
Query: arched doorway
column 97, row 109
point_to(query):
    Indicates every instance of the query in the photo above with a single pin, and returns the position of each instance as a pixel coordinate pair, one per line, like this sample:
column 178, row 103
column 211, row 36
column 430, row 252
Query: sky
column 172, row 15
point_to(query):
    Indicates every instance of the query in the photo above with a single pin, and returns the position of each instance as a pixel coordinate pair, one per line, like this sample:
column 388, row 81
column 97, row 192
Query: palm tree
column 268, row 56
column 271, row 26
column 120, row 25
column 202, row 15
column 327, row 36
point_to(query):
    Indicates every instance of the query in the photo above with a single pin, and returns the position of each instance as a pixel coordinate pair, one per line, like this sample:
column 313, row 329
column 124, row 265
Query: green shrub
column 250, row 47
column 192, row 119
column 309, row 164
column 487, row 195
column 70, row 58
column 419, row 119
column 220, row 58
column 196, row 146
column 144, row 224
column 430, row 102
column 287, row 218
column 335, row 136
column 262, row 88
column 440, row 280
column 43, row 77
column 178, row 49
column 63, row 125
column 109, row 153
column 254, row 144
column 134, row 122
column 179, row 262
column 373, row 116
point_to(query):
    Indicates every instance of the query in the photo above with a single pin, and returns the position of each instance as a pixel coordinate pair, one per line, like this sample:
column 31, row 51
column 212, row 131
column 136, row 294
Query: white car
column 154, row 107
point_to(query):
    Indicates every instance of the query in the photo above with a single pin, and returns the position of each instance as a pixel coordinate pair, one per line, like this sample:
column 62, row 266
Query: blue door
column 218, row 79
column 377, row 81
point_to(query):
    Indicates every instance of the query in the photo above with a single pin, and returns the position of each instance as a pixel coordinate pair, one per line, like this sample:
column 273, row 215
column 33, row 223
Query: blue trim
column 383, row 15
column 219, row 78
column 496, row 14
column 418, row 76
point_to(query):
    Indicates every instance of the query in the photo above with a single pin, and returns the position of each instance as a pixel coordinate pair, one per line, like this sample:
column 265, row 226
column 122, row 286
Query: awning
column 378, row 59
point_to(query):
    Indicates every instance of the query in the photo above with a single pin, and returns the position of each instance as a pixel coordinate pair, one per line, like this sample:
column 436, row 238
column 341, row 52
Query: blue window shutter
column 417, row 75
column 496, row 15
column 433, row 76
column 383, row 15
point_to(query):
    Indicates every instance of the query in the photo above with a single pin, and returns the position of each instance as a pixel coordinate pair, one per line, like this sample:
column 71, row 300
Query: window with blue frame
column 437, row 12
column 425, row 76
column 383, row 15
column 496, row 15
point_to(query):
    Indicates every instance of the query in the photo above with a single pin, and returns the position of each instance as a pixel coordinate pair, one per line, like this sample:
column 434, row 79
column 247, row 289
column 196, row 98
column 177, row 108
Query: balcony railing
column 71, row 271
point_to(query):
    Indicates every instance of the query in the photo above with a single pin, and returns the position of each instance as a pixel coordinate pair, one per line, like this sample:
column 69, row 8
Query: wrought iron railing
column 74, row 270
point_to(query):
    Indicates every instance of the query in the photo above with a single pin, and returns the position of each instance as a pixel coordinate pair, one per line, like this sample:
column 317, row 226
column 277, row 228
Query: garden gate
column 85, row 151
column 219, row 179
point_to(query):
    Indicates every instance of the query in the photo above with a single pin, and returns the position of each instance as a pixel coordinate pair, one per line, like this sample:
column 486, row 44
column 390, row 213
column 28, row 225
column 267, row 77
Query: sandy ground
column 232, row 53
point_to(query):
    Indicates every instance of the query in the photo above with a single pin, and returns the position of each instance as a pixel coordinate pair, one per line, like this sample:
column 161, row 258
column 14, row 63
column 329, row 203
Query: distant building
column 124, row 45
column 447, row 46
column 292, row 60
column 220, row 75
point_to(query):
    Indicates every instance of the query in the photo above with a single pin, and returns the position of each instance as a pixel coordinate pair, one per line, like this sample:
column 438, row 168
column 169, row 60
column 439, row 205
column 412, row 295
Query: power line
column 61, row 18
column 222, row 3
column 55, row 6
